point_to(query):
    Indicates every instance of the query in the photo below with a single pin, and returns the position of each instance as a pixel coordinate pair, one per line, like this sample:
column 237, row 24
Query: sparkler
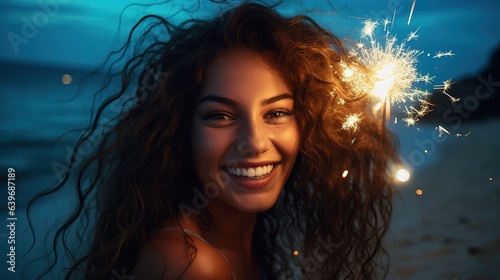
column 392, row 73
column 389, row 74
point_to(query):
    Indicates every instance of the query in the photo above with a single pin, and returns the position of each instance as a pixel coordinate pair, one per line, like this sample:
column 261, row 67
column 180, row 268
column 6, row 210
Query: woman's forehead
column 243, row 70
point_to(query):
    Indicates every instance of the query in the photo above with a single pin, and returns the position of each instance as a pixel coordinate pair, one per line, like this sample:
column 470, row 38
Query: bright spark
column 386, row 22
column 421, row 111
column 444, row 88
column 393, row 18
column 369, row 27
column 413, row 35
column 351, row 122
column 411, row 11
column 440, row 54
column 409, row 121
column 427, row 79
column 464, row 135
column 447, row 85
column 442, row 130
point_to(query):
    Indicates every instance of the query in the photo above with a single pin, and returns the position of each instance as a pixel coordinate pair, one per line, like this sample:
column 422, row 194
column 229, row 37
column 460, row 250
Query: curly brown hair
column 142, row 164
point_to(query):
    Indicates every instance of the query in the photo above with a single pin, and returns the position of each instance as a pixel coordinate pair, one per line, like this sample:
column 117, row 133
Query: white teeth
column 251, row 172
column 258, row 171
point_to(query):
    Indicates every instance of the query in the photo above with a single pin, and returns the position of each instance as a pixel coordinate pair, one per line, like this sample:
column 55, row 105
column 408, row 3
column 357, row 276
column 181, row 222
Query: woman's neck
column 231, row 228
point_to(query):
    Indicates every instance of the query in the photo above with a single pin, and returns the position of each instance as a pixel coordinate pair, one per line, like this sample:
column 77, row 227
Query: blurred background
column 446, row 222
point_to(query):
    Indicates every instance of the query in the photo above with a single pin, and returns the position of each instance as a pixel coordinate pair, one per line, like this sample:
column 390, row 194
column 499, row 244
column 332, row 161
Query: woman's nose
column 254, row 139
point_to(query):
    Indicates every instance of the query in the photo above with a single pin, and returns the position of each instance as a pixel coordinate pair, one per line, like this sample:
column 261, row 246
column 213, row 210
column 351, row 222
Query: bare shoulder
column 167, row 256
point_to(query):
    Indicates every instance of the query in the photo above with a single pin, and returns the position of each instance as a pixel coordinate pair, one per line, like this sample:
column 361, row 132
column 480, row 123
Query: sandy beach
column 451, row 230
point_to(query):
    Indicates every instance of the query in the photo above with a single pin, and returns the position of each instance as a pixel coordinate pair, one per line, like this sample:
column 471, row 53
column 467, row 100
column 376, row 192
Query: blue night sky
column 79, row 34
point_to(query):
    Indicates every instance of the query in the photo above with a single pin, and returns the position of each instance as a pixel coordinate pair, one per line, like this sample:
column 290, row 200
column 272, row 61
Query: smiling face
column 245, row 136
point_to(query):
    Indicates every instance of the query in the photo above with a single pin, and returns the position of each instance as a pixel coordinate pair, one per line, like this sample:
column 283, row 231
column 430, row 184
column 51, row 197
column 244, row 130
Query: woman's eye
column 278, row 114
column 218, row 116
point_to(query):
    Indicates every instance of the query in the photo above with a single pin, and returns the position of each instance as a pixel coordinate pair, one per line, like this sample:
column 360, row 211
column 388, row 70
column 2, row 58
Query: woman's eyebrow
column 224, row 100
column 277, row 98
column 218, row 99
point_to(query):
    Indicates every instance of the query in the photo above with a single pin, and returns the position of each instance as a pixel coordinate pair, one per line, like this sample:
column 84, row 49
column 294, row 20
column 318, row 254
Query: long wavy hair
column 325, row 225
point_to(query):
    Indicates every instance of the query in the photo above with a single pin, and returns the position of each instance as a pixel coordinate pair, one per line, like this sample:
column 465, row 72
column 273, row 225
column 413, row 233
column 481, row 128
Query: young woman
column 231, row 162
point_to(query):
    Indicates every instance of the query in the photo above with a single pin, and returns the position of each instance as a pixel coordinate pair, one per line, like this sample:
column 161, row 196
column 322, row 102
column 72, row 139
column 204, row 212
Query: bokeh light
column 66, row 79
column 402, row 175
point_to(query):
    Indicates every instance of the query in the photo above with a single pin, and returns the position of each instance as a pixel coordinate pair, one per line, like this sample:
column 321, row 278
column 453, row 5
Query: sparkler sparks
column 444, row 88
column 413, row 35
column 409, row 121
column 411, row 11
column 351, row 122
column 386, row 22
column 427, row 79
column 440, row 54
column 392, row 75
column 369, row 27
column 393, row 69
column 386, row 72
column 442, row 130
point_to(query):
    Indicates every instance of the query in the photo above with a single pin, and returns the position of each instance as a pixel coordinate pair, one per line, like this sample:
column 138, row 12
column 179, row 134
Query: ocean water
column 38, row 112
